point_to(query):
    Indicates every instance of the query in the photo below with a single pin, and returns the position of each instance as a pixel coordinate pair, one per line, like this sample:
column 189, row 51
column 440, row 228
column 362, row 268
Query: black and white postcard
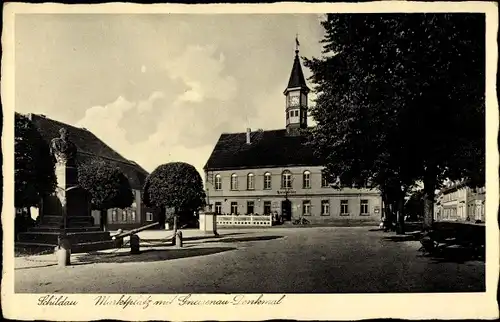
column 250, row 162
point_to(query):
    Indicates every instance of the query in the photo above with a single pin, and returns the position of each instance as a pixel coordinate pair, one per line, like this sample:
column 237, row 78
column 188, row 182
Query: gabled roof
column 267, row 149
column 88, row 145
column 297, row 78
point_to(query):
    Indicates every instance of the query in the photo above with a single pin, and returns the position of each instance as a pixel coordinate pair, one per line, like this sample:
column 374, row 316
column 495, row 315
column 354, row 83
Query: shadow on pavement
column 242, row 239
column 458, row 255
column 403, row 238
column 210, row 237
column 149, row 255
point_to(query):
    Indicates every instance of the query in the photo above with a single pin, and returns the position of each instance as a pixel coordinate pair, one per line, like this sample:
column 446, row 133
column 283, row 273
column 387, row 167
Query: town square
column 319, row 153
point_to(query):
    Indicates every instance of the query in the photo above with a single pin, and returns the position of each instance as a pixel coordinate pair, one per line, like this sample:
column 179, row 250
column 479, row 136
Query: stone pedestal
column 208, row 223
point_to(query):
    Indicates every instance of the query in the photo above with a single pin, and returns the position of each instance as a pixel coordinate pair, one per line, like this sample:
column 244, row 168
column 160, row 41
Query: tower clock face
column 294, row 100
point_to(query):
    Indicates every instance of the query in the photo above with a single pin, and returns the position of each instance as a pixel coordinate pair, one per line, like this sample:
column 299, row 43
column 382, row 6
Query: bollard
column 178, row 239
column 134, row 244
column 63, row 252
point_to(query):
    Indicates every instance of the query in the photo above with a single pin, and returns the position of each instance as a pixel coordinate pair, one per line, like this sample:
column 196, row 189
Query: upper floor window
column 234, row 181
column 306, row 180
column 250, row 181
column 325, row 182
column 267, row 180
column 286, row 179
column 218, row 182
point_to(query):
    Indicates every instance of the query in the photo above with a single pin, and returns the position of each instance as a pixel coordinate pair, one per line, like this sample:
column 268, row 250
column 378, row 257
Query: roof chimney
column 248, row 135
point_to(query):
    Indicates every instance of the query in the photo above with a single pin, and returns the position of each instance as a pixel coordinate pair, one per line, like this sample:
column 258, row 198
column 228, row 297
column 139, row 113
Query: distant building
column 89, row 146
column 264, row 172
column 458, row 202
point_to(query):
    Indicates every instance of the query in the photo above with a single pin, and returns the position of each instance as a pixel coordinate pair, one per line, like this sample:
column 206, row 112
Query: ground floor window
column 234, row 207
column 306, row 207
column 132, row 215
column 364, row 207
column 267, row 207
column 325, row 207
column 114, row 215
column 250, row 207
column 149, row 216
column 344, row 207
column 218, row 207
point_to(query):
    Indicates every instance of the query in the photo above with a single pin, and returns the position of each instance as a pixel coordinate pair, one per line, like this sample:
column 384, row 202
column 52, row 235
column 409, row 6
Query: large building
column 89, row 146
column 268, row 172
column 459, row 202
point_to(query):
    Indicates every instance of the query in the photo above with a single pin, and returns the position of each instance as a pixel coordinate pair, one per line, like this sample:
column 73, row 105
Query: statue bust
column 62, row 148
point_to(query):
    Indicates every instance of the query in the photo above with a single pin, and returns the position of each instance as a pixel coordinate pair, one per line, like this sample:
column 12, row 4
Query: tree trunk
column 175, row 227
column 102, row 219
column 400, row 225
column 429, row 187
column 386, row 211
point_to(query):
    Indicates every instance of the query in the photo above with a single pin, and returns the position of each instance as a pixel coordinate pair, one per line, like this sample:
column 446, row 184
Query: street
column 274, row 260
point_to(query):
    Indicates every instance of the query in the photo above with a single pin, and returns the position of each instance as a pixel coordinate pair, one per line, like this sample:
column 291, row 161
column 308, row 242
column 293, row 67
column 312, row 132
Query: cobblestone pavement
column 285, row 260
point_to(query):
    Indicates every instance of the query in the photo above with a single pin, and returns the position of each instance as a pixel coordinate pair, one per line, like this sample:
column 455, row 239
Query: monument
column 65, row 217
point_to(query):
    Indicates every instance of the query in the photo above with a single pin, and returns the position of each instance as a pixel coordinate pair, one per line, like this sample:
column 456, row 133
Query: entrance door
column 286, row 210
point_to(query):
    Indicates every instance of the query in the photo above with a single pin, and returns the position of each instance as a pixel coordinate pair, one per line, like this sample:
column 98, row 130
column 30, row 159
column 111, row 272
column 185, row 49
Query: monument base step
column 69, row 229
column 29, row 248
column 52, row 237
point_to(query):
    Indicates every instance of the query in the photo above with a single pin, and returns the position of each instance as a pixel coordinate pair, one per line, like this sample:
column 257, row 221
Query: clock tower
column 296, row 97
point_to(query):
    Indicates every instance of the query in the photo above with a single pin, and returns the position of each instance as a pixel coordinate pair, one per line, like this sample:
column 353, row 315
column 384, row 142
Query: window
column 218, row 207
column 114, row 217
column 296, row 113
column 234, row 182
column 132, row 216
column 324, row 180
column 218, row 182
column 267, row 181
column 250, row 181
column 124, row 215
column 344, row 207
column 325, row 207
column 234, row 207
column 267, row 207
column 306, row 180
column 149, row 216
column 250, row 207
column 306, row 208
column 364, row 207
column 286, row 179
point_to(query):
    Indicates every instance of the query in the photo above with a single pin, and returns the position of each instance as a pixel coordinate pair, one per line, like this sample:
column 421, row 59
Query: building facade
column 458, row 202
column 89, row 146
column 276, row 172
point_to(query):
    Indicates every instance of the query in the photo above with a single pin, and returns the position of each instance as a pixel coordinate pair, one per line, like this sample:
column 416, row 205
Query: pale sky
column 160, row 88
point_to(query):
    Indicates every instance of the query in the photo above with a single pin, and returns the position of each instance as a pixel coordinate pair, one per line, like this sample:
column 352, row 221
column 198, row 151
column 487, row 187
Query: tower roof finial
column 297, row 44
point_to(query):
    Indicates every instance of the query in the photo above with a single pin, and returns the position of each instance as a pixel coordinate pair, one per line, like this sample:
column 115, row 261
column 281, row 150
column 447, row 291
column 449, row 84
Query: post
column 178, row 239
column 134, row 244
column 63, row 251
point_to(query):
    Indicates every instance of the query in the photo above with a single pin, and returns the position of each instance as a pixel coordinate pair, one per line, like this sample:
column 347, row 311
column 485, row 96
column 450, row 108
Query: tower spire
column 297, row 44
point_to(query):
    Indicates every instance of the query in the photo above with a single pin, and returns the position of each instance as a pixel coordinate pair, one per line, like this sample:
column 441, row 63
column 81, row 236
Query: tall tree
column 107, row 185
column 401, row 99
column 176, row 185
column 34, row 172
